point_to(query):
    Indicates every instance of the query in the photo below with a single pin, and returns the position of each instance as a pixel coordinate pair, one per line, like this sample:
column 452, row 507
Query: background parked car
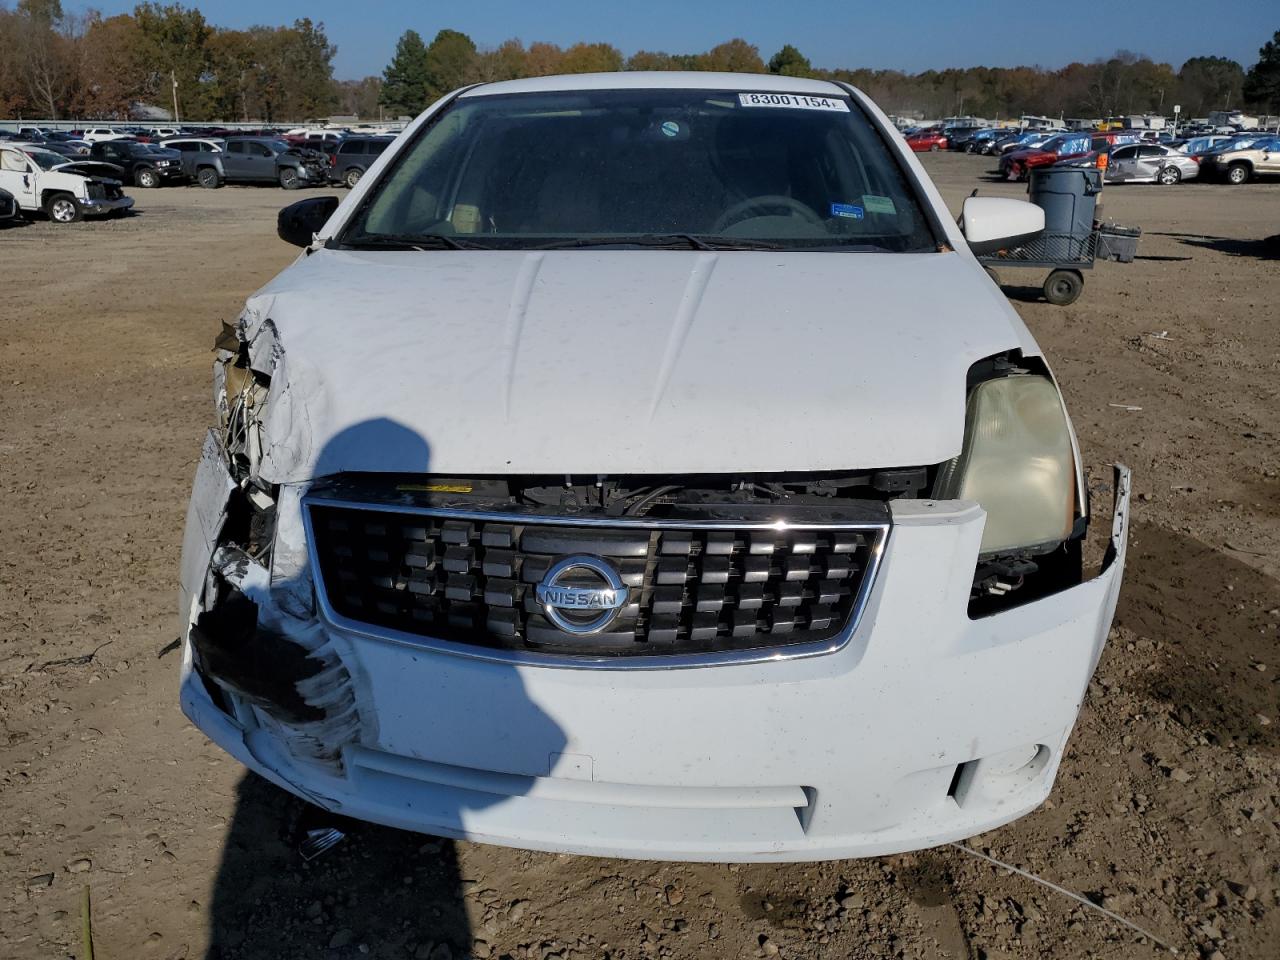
column 1244, row 159
column 144, row 165
column 201, row 159
column 98, row 134
column 67, row 148
column 64, row 190
column 354, row 156
column 1018, row 164
column 1149, row 163
column 264, row 160
column 927, row 140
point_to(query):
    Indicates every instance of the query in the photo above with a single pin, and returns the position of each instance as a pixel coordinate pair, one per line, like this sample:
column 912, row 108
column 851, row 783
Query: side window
column 237, row 147
column 1124, row 153
column 1145, row 152
column 377, row 146
column 261, row 150
column 347, row 147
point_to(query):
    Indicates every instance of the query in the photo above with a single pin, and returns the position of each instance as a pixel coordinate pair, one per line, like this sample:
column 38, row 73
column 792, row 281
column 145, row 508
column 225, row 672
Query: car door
column 262, row 161
column 1269, row 159
column 1149, row 161
column 235, row 162
column 1123, row 164
column 17, row 175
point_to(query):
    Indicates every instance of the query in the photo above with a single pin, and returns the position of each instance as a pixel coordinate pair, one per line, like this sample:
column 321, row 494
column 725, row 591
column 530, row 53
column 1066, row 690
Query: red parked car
column 927, row 140
column 1019, row 164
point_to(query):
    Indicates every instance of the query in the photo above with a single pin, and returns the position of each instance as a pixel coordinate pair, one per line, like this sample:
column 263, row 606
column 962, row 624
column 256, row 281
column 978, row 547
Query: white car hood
column 611, row 362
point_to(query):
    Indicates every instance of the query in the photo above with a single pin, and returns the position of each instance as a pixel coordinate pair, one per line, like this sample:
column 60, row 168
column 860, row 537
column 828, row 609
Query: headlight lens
column 1017, row 462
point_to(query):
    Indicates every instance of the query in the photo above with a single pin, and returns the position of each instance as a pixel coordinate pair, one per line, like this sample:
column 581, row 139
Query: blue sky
column 908, row 36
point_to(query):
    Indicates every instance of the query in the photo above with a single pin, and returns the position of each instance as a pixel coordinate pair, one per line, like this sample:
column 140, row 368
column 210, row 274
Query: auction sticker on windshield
column 792, row 100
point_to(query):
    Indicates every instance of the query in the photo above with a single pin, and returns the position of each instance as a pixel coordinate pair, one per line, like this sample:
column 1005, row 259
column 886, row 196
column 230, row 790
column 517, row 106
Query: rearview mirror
column 299, row 222
column 991, row 223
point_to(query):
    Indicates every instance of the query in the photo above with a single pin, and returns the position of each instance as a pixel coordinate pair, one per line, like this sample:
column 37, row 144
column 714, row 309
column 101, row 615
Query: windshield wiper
column 666, row 240
column 422, row 241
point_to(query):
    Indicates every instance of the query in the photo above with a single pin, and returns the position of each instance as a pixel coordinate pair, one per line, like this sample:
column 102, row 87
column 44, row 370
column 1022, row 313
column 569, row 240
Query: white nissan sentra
column 592, row 483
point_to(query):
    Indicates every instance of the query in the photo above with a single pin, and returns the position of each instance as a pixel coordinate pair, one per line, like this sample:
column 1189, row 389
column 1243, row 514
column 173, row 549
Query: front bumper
column 926, row 727
column 97, row 207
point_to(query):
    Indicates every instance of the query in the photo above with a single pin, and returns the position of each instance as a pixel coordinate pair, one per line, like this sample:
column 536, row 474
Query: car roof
column 660, row 80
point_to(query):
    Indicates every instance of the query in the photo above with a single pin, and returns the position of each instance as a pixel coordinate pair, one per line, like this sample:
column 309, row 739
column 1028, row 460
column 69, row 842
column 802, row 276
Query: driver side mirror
column 992, row 223
column 299, row 222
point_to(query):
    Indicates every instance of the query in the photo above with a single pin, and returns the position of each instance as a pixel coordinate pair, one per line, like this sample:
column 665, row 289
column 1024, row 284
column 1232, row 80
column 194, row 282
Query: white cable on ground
column 1066, row 893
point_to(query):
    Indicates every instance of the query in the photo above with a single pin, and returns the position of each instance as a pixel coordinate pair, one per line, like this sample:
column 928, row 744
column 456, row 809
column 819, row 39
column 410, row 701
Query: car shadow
column 378, row 891
column 1265, row 249
column 1023, row 293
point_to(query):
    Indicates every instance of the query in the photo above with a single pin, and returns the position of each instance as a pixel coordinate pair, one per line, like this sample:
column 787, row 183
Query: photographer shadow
column 379, row 891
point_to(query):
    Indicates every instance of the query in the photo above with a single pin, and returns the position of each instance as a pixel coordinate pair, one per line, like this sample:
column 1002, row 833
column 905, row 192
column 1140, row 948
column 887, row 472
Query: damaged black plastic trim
column 260, row 665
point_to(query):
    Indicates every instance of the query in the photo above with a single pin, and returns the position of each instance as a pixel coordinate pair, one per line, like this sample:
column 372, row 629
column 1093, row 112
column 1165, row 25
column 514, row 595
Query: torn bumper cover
column 925, row 727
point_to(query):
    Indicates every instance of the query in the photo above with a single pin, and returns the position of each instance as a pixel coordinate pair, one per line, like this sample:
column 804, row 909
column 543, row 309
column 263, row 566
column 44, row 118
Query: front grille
column 97, row 191
column 692, row 587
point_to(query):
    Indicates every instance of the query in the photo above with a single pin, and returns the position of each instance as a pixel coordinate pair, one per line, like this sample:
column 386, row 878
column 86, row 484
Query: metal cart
column 1065, row 255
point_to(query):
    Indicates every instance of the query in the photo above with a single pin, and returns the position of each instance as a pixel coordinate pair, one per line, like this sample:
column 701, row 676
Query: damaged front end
column 247, row 603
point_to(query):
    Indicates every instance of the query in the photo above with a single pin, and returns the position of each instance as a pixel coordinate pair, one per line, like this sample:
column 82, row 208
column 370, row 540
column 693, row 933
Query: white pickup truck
column 65, row 190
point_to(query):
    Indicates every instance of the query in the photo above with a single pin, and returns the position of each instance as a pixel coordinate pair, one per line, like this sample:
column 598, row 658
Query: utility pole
column 174, row 77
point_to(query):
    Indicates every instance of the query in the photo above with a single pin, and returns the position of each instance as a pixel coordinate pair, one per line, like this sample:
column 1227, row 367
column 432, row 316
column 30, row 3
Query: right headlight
column 1017, row 462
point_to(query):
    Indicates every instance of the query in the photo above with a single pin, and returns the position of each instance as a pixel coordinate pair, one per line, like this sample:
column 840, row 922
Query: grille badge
column 581, row 584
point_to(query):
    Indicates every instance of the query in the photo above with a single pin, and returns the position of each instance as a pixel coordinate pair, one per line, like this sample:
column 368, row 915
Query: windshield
column 46, row 159
column 646, row 168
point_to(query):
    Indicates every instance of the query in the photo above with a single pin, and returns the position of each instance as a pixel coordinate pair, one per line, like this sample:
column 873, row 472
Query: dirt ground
column 1166, row 809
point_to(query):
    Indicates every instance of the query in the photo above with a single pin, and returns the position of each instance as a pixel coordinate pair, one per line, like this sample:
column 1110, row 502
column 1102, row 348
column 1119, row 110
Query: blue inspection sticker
column 850, row 211
column 671, row 128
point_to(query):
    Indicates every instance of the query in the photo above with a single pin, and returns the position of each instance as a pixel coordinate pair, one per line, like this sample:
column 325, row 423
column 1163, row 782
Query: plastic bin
column 1118, row 243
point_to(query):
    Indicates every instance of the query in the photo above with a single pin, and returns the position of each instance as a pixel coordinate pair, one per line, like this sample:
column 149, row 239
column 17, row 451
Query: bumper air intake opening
column 994, row 779
column 805, row 814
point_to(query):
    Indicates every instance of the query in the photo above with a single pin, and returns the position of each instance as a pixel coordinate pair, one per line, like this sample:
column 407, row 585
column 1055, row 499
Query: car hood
column 90, row 168
column 589, row 362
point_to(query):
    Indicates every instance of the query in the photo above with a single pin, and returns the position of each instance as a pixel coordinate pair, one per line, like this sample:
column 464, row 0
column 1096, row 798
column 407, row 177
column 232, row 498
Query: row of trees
column 1125, row 83
column 55, row 64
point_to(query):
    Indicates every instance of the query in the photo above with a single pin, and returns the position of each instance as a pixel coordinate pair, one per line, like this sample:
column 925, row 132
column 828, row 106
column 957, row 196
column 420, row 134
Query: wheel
column 208, row 178
column 147, row 178
column 995, row 277
column 352, row 177
column 289, row 178
column 933, row 148
column 1237, row 174
column 969, row 148
column 64, row 208
column 1063, row 287
column 1169, row 175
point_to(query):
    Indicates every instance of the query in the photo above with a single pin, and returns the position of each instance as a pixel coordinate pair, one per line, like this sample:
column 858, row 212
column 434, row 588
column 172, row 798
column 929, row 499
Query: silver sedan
column 1149, row 163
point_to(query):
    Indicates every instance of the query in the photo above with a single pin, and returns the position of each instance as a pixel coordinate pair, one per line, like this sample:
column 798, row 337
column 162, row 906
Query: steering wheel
column 764, row 202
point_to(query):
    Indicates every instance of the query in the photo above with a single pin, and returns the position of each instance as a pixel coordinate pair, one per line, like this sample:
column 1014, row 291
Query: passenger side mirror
column 991, row 223
column 299, row 222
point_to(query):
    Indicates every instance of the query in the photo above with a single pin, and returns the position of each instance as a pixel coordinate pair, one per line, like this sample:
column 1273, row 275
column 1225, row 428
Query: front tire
column 1237, row 174
column 289, row 178
column 147, row 179
column 63, row 208
column 352, row 178
column 208, row 178
column 1169, row 176
column 933, row 148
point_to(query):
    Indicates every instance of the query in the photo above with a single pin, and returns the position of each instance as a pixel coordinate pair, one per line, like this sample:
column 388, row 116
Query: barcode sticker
column 794, row 101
